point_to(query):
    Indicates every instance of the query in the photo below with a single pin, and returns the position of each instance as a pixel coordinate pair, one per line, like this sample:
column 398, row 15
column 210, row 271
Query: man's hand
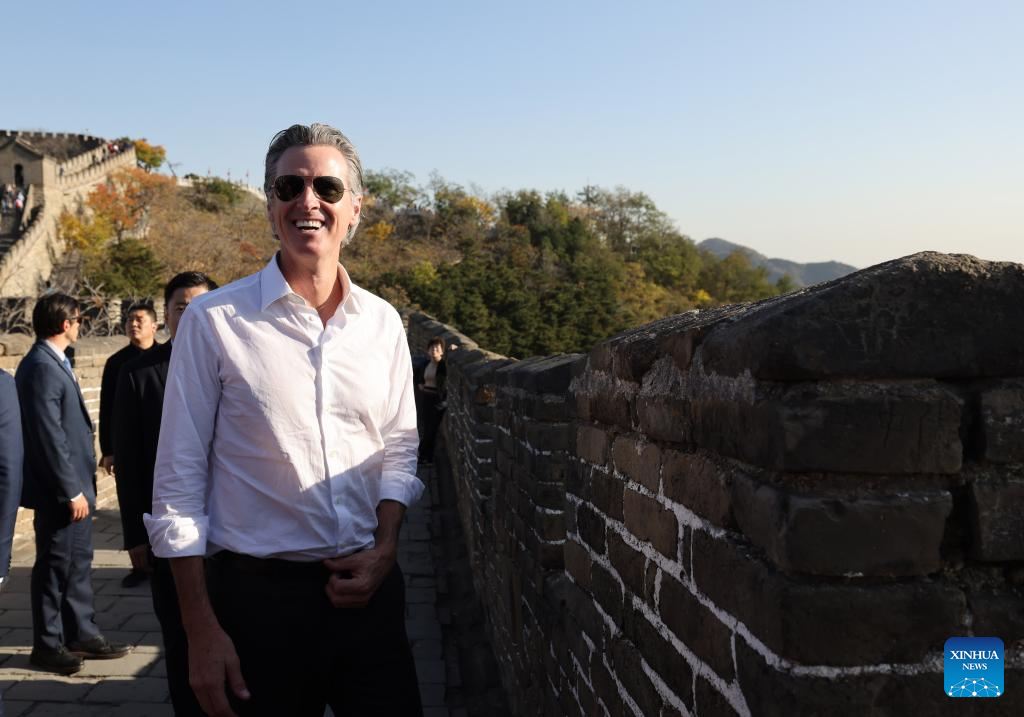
column 107, row 464
column 139, row 555
column 212, row 661
column 79, row 508
column 355, row 578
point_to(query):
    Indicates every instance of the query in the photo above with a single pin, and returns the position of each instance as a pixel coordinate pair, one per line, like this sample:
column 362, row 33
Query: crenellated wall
column 56, row 183
column 782, row 508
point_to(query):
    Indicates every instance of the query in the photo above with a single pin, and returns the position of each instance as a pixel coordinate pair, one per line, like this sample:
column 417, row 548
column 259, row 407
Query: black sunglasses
column 289, row 186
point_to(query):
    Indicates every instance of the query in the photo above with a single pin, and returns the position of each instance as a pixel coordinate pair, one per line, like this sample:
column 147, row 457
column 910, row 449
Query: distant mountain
column 801, row 274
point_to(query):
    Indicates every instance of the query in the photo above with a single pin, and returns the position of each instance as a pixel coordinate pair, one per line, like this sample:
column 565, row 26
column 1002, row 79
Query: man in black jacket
column 138, row 405
column 141, row 329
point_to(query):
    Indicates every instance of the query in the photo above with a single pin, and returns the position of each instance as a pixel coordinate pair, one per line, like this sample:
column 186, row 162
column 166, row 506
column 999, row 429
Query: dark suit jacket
column 12, row 457
column 60, row 461
column 108, row 387
column 138, row 403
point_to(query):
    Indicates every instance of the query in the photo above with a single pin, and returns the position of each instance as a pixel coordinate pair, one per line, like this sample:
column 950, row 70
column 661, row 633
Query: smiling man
column 288, row 455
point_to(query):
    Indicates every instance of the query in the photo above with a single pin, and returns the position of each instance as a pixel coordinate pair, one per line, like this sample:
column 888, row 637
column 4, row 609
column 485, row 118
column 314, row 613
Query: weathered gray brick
column 592, row 444
column 637, row 460
column 997, row 519
column 823, row 534
column 648, row 520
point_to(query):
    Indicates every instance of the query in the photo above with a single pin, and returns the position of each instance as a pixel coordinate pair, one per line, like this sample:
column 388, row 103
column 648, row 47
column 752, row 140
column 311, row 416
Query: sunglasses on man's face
column 289, row 186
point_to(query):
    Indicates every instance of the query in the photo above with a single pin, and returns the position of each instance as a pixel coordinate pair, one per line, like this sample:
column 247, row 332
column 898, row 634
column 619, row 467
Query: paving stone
column 16, row 618
column 138, row 689
column 131, row 665
column 158, row 668
column 49, row 687
column 141, row 621
column 106, row 558
column 11, row 600
column 432, row 695
column 13, row 708
column 420, row 629
column 18, row 637
column 430, row 671
column 420, row 612
column 140, row 709
column 420, row 595
column 426, row 649
column 140, row 640
column 49, row 709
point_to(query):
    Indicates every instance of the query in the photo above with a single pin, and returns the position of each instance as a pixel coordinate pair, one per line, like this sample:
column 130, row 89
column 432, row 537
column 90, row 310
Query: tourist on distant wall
column 137, row 414
column 288, row 454
column 429, row 378
column 140, row 325
column 60, row 466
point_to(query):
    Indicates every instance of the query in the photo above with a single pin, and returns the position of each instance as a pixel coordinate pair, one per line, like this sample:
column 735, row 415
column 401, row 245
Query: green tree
column 213, row 194
column 735, row 279
column 785, row 284
column 126, row 268
column 393, row 188
column 149, row 156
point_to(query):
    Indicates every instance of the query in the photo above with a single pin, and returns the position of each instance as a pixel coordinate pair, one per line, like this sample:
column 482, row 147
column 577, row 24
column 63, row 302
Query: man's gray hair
column 316, row 134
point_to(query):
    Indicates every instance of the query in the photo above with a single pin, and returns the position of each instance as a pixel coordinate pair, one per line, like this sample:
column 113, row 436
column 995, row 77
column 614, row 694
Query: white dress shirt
column 279, row 435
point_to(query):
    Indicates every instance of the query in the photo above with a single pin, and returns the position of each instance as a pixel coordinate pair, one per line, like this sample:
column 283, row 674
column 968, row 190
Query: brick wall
column 90, row 356
column 778, row 508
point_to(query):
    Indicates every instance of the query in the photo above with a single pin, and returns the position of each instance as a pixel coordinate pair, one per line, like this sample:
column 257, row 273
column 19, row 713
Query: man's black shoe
column 135, row 577
column 60, row 661
column 98, row 648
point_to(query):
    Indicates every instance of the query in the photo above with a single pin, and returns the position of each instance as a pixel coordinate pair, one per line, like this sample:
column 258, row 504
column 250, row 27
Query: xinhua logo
column 974, row 667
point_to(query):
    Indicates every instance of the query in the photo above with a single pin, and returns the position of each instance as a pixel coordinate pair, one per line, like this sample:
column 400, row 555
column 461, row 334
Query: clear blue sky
column 807, row 130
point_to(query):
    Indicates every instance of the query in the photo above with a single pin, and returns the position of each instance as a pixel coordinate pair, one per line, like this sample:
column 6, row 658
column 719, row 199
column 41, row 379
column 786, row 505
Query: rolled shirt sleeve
column 179, row 524
column 401, row 440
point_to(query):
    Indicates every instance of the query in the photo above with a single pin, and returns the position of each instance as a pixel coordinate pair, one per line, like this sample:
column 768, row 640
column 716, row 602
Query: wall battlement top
column 59, row 145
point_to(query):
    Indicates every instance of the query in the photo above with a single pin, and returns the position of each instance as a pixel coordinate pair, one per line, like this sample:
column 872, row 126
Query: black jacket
column 138, row 404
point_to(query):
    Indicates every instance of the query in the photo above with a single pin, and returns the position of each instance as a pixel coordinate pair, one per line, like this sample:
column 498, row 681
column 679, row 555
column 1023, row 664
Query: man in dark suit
column 11, row 455
column 139, row 401
column 60, row 464
column 140, row 326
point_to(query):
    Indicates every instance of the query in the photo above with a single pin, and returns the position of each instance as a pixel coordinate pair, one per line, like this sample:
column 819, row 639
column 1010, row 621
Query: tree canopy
column 526, row 272
column 523, row 272
column 149, row 156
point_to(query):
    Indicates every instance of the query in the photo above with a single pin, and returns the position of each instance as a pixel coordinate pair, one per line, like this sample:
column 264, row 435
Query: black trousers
column 299, row 653
column 61, row 585
column 165, row 605
column 428, row 419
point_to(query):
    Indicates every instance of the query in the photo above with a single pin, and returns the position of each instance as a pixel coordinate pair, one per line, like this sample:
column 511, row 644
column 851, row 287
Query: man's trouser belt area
column 274, row 567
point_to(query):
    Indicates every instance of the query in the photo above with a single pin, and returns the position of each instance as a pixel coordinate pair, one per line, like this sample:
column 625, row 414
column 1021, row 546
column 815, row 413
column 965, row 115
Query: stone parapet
column 783, row 507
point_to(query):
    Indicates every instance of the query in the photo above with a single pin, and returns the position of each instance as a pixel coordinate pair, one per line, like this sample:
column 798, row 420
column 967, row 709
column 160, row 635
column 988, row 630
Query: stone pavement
column 135, row 686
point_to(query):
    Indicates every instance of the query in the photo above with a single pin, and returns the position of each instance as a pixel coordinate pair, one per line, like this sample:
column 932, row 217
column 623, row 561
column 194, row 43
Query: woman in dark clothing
column 430, row 397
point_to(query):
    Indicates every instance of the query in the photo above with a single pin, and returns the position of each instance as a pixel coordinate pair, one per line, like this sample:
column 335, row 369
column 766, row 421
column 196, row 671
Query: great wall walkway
column 135, row 686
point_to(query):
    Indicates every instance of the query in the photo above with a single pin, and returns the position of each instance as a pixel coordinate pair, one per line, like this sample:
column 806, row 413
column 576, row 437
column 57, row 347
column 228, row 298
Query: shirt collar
column 273, row 287
column 56, row 349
